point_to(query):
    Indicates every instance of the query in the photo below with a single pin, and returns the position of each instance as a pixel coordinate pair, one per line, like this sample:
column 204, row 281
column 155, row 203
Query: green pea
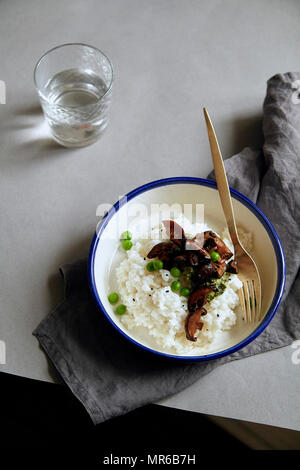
column 215, row 256
column 113, row 298
column 121, row 309
column 126, row 235
column 175, row 286
column 126, row 244
column 175, row 272
column 150, row 267
column 158, row 264
column 185, row 291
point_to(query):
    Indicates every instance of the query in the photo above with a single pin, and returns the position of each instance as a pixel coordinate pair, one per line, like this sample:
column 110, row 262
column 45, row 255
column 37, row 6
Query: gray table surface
column 170, row 58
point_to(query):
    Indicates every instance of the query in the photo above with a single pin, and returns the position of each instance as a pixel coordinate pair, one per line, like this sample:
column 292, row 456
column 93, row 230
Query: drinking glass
column 74, row 84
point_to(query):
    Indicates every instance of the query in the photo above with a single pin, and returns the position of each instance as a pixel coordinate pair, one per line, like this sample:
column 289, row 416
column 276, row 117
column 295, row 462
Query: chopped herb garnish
column 219, row 286
column 187, row 272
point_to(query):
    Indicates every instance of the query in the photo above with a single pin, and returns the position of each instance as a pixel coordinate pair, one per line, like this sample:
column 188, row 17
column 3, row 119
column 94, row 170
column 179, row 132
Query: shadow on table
column 44, row 143
column 32, row 109
column 27, row 129
column 22, row 117
column 242, row 131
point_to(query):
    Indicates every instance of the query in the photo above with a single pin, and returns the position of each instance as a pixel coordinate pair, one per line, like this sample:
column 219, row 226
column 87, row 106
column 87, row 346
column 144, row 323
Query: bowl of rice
column 147, row 301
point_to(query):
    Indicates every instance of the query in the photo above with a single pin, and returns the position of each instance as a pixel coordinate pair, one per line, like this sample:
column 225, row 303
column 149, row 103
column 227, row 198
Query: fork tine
column 253, row 302
column 247, row 300
column 242, row 303
column 257, row 291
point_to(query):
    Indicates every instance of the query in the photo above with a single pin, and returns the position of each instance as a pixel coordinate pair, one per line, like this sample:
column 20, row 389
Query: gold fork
column 250, row 292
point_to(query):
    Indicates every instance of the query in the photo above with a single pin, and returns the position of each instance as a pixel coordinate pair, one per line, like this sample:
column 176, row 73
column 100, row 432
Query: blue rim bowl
column 246, row 202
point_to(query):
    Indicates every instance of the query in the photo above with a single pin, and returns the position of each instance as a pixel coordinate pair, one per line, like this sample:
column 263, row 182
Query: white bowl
column 267, row 252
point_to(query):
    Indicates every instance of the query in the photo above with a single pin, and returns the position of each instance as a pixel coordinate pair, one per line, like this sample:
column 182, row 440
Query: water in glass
column 76, row 106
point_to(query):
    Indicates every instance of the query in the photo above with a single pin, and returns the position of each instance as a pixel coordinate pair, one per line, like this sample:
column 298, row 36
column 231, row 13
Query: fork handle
column 221, row 179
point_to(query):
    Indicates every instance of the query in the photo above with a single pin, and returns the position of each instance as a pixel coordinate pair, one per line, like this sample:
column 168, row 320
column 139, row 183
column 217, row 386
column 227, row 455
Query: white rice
column 152, row 304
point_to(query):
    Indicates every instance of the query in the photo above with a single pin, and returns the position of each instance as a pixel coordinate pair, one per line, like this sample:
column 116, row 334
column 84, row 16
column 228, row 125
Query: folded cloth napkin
column 109, row 375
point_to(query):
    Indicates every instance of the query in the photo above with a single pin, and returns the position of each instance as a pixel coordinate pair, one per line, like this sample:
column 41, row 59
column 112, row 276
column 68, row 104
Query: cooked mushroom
column 200, row 238
column 193, row 323
column 165, row 252
column 193, row 259
column 232, row 267
column 181, row 261
column 219, row 268
column 175, row 232
column 193, row 245
column 214, row 243
column 198, row 298
column 203, row 274
column 209, row 240
column 197, row 254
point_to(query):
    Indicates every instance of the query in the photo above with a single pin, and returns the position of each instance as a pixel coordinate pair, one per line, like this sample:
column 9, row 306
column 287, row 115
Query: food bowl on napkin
column 105, row 258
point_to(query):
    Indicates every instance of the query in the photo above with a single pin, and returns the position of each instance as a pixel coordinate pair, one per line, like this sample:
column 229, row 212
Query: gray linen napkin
column 109, row 375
